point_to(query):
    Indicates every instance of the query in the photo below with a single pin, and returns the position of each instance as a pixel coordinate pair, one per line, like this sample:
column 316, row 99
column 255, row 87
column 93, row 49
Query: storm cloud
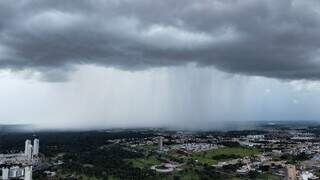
column 271, row 38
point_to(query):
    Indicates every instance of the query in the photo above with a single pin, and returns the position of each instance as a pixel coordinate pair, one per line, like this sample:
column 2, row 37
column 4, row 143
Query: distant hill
column 15, row 128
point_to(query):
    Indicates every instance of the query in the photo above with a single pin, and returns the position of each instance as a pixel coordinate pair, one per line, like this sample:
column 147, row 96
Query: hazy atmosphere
column 138, row 63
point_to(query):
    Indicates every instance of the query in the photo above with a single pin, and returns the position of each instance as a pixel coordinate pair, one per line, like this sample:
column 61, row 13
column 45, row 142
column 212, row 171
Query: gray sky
column 158, row 63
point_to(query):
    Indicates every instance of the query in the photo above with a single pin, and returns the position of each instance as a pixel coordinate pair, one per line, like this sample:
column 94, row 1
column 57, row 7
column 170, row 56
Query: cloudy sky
column 186, row 63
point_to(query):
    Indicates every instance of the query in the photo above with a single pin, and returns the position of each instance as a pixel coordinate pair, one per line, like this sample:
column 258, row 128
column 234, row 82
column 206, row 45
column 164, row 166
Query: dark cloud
column 272, row 38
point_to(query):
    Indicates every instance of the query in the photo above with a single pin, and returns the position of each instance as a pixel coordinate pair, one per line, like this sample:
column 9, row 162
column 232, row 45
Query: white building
column 29, row 152
column 5, row 173
column 306, row 175
column 160, row 144
column 28, row 173
column 13, row 172
column 256, row 137
column 26, row 158
column 35, row 147
column 27, row 143
column 20, row 172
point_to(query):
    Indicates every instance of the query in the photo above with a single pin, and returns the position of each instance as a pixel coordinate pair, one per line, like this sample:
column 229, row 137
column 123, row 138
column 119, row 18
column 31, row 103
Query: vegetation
column 89, row 155
column 144, row 162
column 293, row 159
column 213, row 156
column 83, row 156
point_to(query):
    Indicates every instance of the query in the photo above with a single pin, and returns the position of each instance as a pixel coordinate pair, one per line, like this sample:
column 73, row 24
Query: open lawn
column 260, row 176
column 144, row 162
column 214, row 156
column 151, row 146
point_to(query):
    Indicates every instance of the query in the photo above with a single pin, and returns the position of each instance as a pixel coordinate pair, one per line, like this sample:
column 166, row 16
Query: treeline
column 104, row 163
column 52, row 143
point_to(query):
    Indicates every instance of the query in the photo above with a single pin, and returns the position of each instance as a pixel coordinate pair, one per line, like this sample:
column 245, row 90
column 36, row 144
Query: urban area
column 270, row 152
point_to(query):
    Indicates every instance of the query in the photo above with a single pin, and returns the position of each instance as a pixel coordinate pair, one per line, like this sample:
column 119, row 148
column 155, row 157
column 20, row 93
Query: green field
column 150, row 147
column 183, row 175
column 211, row 157
column 260, row 176
column 207, row 157
column 144, row 162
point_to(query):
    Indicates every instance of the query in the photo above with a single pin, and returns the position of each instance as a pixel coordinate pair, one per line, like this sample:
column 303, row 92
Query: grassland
column 151, row 147
column 144, row 162
column 207, row 157
column 260, row 176
column 213, row 156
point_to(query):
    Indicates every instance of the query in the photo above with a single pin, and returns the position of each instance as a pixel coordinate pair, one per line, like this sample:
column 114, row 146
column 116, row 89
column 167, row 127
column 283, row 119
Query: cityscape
column 19, row 165
column 270, row 151
column 159, row 90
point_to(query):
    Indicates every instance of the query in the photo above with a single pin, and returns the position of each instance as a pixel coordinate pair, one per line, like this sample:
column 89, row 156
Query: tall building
column 20, row 172
column 13, row 172
column 291, row 173
column 5, row 173
column 29, row 152
column 28, row 173
column 27, row 143
column 160, row 144
column 35, row 147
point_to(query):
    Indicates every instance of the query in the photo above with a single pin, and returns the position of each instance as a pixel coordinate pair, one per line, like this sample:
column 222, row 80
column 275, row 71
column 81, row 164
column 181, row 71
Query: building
column 13, row 172
column 160, row 144
column 27, row 143
column 306, row 175
column 17, row 172
column 29, row 152
column 20, row 172
column 35, row 151
column 291, row 173
column 28, row 173
column 26, row 159
column 5, row 173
